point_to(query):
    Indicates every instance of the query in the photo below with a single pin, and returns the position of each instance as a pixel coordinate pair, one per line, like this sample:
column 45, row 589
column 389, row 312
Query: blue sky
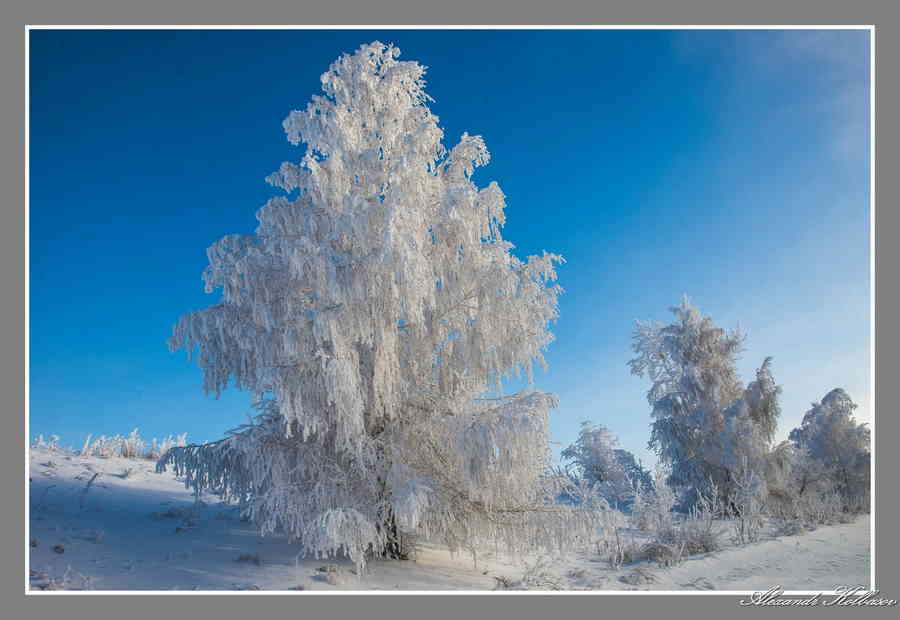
column 731, row 166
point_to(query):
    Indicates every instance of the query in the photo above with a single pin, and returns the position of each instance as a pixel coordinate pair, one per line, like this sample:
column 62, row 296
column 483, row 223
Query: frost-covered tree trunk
column 374, row 306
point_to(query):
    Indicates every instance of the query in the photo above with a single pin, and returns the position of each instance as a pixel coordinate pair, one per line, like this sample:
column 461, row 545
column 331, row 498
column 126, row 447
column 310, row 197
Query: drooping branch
column 370, row 311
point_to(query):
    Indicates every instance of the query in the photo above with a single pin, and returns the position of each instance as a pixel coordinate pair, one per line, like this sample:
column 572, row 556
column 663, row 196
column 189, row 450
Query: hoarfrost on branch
column 374, row 306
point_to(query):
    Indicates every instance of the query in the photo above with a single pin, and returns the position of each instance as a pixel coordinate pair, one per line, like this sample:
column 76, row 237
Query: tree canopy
column 371, row 313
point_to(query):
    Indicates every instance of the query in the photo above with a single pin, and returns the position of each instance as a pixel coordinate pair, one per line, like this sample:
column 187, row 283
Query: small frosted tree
column 371, row 313
column 596, row 457
column 709, row 429
column 832, row 445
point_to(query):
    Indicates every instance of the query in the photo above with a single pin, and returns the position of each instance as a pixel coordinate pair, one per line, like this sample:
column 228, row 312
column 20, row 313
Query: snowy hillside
column 134, row 529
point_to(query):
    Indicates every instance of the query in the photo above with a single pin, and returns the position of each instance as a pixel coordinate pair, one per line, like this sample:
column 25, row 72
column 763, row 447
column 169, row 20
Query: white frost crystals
column 373, row 307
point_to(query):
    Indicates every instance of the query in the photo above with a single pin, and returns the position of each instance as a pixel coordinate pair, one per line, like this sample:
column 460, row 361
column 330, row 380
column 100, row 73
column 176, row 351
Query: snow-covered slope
column 134, row 529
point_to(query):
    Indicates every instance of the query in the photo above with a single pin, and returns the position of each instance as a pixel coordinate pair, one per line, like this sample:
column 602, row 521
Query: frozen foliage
column 101, row 542
column 707, row 426
column 132, row 446
column 640, row 477
column 51, row 445
column 716, row 434
column 158, row 448
column 373, row 306
column 831, row 445
column 802, row 493
column 677, row 536
column 539, row 575
column 595, row 457
column 748, row 502
column 652, row 511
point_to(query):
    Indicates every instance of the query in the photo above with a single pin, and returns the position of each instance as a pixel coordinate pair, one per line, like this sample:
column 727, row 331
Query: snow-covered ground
column 134, row 529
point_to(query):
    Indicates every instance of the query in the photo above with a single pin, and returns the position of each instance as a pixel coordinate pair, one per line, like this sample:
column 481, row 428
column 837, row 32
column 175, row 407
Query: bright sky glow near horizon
column 731, row 166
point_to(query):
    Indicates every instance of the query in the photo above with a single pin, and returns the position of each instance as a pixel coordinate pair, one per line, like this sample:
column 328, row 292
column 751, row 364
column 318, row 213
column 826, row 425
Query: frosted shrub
column 371, row 313
column 806, row 496
column 823, row 508
column 640, row 513
column 86, row 447
column 158, row 448
column 697, row 533
column 618, row 547
column 700, row 530
column 105, row 447
column 130, row 447
column 538, row 575
column 748, row 504
column 674, row 538
column 654, row 511
column 51, row 445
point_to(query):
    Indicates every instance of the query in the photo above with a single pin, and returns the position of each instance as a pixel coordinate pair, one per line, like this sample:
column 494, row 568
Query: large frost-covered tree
column 707, row 427
column 372, row 313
